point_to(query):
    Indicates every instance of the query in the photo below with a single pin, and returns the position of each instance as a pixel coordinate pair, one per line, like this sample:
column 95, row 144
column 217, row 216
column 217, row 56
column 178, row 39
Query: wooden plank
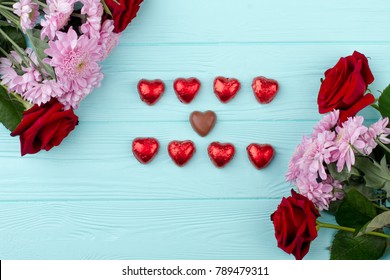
column 259, row 21
column 90, row 199
column 213, row 229
column 95, row 163
column 297, row 67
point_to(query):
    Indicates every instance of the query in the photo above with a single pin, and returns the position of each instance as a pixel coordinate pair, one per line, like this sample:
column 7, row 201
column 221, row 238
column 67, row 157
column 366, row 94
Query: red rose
column 295, row 224
column 123, row 12
column 344, row 86
column 44, row 127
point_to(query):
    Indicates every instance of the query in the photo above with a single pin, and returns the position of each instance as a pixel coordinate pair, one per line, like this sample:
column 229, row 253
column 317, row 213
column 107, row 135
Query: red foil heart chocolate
column 221, row 153
column 225, row 89
column 203, row 123
column 150, row 91
column 186, row 89
column 145, row 149
column 260, row 154
column 264, row 89
column 181, row 151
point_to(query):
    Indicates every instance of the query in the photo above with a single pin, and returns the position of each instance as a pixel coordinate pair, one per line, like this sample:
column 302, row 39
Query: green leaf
column 4, row 23
column 334, row 207
column 39, row 47
column 355, row 210
column 340, row 176
column 378, row 222
column 384, row 102
column 344, row 175
column 11, row 110
column 366, row 247
column 376, row 175
column 16, row 35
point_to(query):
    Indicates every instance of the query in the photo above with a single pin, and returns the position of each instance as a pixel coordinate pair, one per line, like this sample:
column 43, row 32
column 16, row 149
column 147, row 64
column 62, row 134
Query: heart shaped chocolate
column 225, row 89
column 145, row 149
column 264, row 89
column 221, row 153
column 186, row 89
column 181, row 151
column 203, row 123
column 150, row 91
column 260, row 154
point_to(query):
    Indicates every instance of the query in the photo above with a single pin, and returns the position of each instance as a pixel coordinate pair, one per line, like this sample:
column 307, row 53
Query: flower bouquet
column 50, row 55
column 341, row 168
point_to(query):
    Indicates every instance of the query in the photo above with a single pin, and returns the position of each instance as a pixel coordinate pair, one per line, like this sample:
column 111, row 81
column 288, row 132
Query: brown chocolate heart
column 203, row 122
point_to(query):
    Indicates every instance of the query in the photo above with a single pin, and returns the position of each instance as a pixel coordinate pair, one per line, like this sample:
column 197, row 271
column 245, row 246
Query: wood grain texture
column 191, row 229
column 98, row 156
column 90, row 199
column 173, row 21
column 297, row 67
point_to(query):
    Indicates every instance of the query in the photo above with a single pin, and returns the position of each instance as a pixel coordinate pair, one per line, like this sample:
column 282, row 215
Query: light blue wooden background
column 90, row 199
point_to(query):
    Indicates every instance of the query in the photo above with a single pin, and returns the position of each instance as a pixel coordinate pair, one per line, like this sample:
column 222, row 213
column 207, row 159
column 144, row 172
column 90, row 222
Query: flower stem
column 25, row 103
column 6, row 8
column 375, row 106
column 16, row 46
column 359, row 153
column 381, row 207
column 8, row 3
column 26, row 59
column 44, row 5
column 78, row 15
column 106, row 9
column 332, row 226
column 10, row 16
column 3, row 51
column 382, row 145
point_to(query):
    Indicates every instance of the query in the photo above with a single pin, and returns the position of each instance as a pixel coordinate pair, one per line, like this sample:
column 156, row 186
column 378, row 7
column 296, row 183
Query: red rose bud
column 295, row 224
column 345, row 85
column 123, row 12
column 44, row 127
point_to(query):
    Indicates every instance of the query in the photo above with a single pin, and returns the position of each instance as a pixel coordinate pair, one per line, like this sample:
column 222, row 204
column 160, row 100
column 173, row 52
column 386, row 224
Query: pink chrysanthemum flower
column 378, row 131
column 327, row 123
column 308, row 172
column 57, row 16
column 7, row 73
column 294, row 170
column 321, row 193
column 42, row 92
column 108, row 39
column 28, row 11
column 318, row 153
column 93, row 9
column 338, row 192
column 15, row 57
column 60, row 6
column 349, row 138
column 75, row 61
column 307, row 167
column 311, row 156
column 51, row 24
column 28, row 77
column 7, row 70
